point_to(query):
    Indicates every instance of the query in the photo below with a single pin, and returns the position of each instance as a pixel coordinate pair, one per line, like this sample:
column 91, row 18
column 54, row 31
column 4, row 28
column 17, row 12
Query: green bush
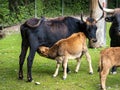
column 16, row 11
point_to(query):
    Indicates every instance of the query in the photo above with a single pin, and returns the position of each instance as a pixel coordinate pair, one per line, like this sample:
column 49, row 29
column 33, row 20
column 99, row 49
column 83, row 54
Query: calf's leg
column 68, row 70
column 65, row 61
column 57, row 69
column 103, row 76
column 89, row 61
column 78, row 63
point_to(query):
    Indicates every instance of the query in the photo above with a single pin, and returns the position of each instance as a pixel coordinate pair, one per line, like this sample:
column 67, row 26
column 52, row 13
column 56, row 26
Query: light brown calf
column 72, row 47
column 108, row 58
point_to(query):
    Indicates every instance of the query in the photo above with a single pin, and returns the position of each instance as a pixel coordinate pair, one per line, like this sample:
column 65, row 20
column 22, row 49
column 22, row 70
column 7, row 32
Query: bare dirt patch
column 12, row 29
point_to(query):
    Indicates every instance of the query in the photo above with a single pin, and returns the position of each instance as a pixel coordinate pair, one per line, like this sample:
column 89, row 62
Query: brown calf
column 108, row 58
column 72, row 47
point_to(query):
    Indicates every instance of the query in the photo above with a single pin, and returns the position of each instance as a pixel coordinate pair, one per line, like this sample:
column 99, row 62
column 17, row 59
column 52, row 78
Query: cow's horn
column 108, row 10
column 100, row 17
column 82, row 17
column 105, row 9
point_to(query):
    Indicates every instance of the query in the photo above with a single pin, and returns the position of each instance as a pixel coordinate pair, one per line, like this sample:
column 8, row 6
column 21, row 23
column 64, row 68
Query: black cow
column 114, row 31
column 44, row 32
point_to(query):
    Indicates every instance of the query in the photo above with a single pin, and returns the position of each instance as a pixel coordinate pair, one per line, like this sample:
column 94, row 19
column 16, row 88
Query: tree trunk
column 101, row 31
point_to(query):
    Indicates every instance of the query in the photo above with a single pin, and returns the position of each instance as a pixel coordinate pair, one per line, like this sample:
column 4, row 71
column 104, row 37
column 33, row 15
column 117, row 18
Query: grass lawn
column 43, row 69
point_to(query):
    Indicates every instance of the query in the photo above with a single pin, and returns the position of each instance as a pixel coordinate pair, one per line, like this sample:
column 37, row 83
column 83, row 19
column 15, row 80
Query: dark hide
column 46, row 34
column 114, row 31
column 115, row 28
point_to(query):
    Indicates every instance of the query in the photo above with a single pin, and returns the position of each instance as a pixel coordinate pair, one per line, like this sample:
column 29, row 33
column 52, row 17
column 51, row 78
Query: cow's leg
column 113, row 70
column 113, row 44
column 29, row 63
column 65, row 61
column 68, row 70
column 57, row 69
column 24, row 48
column 103, row 76
column 89, row 61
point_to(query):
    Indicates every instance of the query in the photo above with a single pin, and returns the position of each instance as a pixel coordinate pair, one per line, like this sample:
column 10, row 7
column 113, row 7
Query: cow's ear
column 108, row 19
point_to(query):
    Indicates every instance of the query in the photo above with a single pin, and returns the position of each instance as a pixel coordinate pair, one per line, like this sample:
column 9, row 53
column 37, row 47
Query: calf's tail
column 100, row 67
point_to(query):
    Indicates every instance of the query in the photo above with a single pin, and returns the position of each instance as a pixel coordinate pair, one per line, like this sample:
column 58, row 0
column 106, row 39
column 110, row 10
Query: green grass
column 43, row 69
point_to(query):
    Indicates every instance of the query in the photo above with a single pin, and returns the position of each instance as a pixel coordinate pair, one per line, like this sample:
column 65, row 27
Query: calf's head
column 43, row 50
column 49, row 52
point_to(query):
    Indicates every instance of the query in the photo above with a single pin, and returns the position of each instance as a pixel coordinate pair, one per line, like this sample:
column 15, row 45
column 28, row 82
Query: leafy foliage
column 16, row 11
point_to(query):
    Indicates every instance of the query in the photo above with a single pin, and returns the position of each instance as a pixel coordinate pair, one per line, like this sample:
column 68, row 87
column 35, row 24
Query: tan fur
column 72, row 47
column 108, row 58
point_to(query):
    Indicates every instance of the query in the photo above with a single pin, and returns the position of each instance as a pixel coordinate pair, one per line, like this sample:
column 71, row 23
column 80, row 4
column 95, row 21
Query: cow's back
column 50, row 31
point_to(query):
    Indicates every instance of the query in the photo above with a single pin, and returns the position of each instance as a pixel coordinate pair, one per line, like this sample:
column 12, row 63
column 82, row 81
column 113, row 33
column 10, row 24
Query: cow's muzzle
column 93, row 40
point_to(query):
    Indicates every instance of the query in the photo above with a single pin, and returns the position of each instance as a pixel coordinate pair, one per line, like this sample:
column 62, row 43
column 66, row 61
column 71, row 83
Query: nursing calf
column 109, row 57
column 73, row 47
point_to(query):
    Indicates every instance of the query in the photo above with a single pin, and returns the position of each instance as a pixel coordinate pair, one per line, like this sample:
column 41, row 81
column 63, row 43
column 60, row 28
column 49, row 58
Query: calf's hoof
column 91, row 73
column 64, row 78
column 54, row 76
column 76, row 71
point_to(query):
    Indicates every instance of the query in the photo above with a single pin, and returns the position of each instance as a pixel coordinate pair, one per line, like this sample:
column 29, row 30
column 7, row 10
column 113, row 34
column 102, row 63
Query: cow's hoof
column 69, row 72
column 114, row 73
column 30, row 80
column 91, row 73
column 20, row 78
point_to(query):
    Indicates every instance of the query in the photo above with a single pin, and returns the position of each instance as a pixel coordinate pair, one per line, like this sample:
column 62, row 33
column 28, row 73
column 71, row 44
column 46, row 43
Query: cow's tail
column 23, row 30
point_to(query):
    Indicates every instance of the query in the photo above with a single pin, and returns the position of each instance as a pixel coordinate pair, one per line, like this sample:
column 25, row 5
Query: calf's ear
column 108, row 19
